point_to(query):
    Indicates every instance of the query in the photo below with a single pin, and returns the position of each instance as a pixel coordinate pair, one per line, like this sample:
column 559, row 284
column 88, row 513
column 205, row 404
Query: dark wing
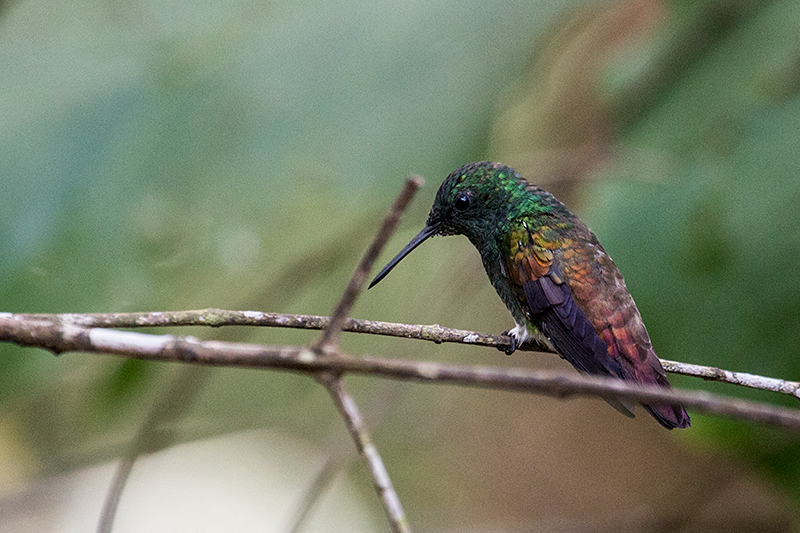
column 549, row 304
column 555, row 312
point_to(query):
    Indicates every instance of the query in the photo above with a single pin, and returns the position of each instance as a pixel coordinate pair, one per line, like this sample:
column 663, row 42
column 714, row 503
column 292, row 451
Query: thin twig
column 358, row 431
column 178, row 395
column 328, row 346
column 301, row 359
column 433, row 332
column 222, row 317
column 325, row 474
column 114, row 494
column 330, row 336
column 753, row 381
column 340, row 453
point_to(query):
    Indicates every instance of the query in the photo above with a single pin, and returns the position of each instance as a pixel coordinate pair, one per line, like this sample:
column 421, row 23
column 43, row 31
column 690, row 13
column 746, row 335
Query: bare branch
column 434, row 333
column 328, row 346
column 178, row 395
column 222, row 317
column 324, row 476
column 66, row 337
column 711, row 373
column 330, row 336
column 114, row 494
column 358, row 431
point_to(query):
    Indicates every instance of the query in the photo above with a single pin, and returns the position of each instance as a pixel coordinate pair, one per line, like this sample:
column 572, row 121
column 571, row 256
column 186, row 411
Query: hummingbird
column 551, row 273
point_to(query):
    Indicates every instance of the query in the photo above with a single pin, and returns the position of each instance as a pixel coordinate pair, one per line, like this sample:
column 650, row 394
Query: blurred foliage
column 240, row 154
column 710, row 179
column 183, row 155
column 717, row 242
column 697, row 200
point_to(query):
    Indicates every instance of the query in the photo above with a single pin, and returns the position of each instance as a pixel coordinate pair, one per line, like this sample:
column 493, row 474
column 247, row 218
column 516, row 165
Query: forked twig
column 329, row 339
column 328, row 346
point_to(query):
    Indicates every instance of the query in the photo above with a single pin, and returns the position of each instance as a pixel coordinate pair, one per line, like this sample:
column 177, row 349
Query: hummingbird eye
column 462, row 203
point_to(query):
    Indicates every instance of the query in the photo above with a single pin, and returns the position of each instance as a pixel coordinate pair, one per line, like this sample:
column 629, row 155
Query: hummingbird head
column 473, row 200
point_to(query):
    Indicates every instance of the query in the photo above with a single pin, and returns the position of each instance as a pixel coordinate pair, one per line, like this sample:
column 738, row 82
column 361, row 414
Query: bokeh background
column 240, row 154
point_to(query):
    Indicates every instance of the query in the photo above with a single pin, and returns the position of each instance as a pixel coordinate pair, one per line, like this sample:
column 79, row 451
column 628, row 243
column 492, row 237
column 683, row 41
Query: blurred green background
column 241, row 154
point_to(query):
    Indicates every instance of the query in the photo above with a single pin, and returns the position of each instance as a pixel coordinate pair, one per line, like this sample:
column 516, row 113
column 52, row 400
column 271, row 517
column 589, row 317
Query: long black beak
column 426, row 232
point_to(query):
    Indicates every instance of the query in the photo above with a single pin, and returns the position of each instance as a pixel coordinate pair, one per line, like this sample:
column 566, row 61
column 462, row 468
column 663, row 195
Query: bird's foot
column 511, row 349
column 518, row 335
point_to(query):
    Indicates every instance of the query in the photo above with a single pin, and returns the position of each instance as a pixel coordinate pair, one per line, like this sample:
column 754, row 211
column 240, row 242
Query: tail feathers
column 668, row 415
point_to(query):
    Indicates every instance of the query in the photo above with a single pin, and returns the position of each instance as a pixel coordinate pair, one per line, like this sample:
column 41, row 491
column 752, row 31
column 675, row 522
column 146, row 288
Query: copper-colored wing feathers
column 547, row 300
column 570, row 289
column 599, row 289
